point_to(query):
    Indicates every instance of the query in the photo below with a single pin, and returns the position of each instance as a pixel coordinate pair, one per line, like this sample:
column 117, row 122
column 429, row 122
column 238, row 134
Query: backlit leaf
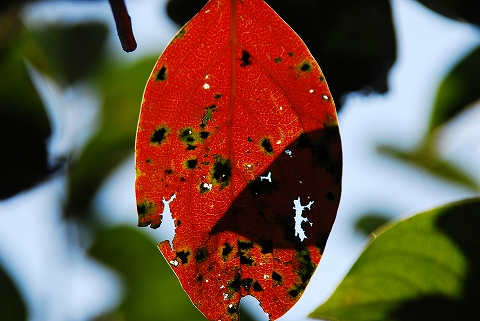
column 423, row 268
column 238, row 123
column 353, row 40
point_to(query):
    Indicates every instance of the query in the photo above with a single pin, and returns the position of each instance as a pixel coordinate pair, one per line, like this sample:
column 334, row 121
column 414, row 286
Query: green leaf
column 459, row 89
column 426, row 267
column 12, row 306
column 121, row 87
column 368, row 223
column 427, row 158
column 73, row 51
column 24, row 124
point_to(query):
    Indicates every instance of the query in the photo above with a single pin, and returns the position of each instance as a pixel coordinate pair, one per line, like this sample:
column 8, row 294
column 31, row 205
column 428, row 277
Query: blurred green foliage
column 12, row 307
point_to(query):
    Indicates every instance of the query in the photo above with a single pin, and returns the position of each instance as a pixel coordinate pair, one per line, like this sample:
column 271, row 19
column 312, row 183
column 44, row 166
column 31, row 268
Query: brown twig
column 123, row 24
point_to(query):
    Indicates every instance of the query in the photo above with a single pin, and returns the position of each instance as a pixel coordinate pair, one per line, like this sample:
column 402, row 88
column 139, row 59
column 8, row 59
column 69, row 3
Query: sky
column 37, row 249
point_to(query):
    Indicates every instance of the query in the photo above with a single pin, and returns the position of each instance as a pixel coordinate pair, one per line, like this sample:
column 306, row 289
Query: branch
column 123, row 24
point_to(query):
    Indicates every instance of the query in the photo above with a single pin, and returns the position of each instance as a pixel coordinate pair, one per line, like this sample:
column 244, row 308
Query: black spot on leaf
column 204, row 135
column 246, row 284
column 226, row 250
column 243, row 245
column 201, row 255
column 199, row 278
column 158, row 136
column 217, row 96
column 222, row 171
column 257, row 287
column 306, row 66
column 145, row 208
column 183, row 256
column 267, row 147
column 234, row 285
column 266, row 245
column 277, row 278
column 246, row 59
column 293, row 293
column 191, row 147
column 162, row 74
column 278, row 60
column 232, row 308
column 191, row 163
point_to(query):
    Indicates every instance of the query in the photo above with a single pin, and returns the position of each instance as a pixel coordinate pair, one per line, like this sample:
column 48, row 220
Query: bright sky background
column 61, row 283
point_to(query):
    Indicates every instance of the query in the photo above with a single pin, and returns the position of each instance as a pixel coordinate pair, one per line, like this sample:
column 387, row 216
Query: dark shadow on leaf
column 309, row 169
column 462, row 228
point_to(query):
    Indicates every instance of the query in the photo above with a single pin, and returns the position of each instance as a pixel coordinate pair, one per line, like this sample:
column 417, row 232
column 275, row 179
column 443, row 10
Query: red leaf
column 237, row 121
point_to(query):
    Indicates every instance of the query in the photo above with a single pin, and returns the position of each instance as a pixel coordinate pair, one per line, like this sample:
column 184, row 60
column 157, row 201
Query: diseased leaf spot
column 226, row 250
column 191, row 147
column 183, row 256
column 201, row 255
column 208, row 115
column 199, row 278
column 244, row 245
column 257, row 287
column 222, row 171
column 277, row 278
column 321, row 78
column 217, row 96
column 234, row 285
column 306, row 66
column 191, row 163
column 246, row 59
column 330, row 196
column 232, row 308
column 266, row 245
column 148, row 161
column 267, row 147
column 204, row 187
column 178, row 222
column 291, row 54
column 293, row 293
column 204, row 135
column 246, row 284
column 244, row 248
column 250, row 139
column 180, row 34
column 162, row 74
column 168, row 171
column 145, row 208
column 278, row 60
column 158, row 135
column 307, row 267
